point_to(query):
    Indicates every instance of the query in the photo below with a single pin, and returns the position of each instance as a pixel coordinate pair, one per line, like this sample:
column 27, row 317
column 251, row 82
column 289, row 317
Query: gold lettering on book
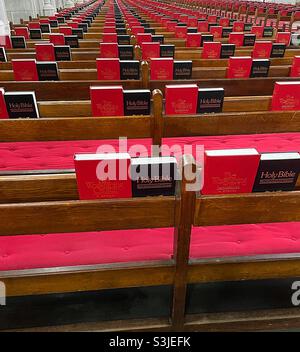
column 289, row 102
column 107, row 107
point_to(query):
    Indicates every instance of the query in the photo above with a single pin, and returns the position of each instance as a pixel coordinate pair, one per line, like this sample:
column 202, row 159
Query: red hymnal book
column 109, row 29
column 109, row 50
column 203, row 26
column 171, row 26
column 286, row 96
column 239, row 67
column 230, row 171
column 192, row 22
column 143, row 38
column 193, row 40
column 45, row 52
column 181, row 99
column 57, row 38
column 108, row 69
column 25, row 70
column 212, row 19
column 258, row 31
column 103, row 176
column 107, row 101
column 238, row 26
column 180, row 32
column 150, row 50
column 224, row 22
column 3, row 110
column 34, row 25
column 283, row 37
column 295, row 69
column 216, row 31
column 110, row 38
column 236, row 38
column 65, row 30
column 262, row 50
column 5, row 41
column 211, row 50
column 137, row 29
column 161, row 69
column 22, row 31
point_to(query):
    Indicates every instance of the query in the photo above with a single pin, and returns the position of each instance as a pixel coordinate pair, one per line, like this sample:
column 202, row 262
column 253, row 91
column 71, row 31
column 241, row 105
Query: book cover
column 211, row 50
column 34, row 25
column 108, row 68
column 230, row 171
column 210, row 100
column 295, row 69
column 192, row 30
column 167, row 50
column 35, row 34
column 248, row 27
column 193, row 40
column 268, row 32
column 45, row 52
column 158, row 38
column 72, row 41
column 262, row 50
column 109, row 38
column 227, row 50
column 153, row 176
column 126, row 52
column 18, row 42
column 258, row 31
column 22, row 32
column 286, row 96
column 3, row 110
column 65, row 30
column 181, row 99
column 62, row 53
column 25, row 70
column 129, row 69
column 103, row 176
column 203, row 26
column 121, row 31
column 3, row 57
column 238, row 26
column 109, row 50
column 78, row 32
column 284, row 38
column 143, row 38
column 53, row 23
column 21, row 105
column 150, row 50
column 45, row 27
column 236, row 38
column 226, row 32
column 216, row 31
column 57, row 38
column 277, row 172
column 224, row 22
column 183, row 69
column 161, row 69
column 83, row 26
column 137, row 102
column 47, row 71
column 107, row 101
column 260, row 68
column 239, row 67
column 123, row 39
column 206, row 38
column 180, row 32
column 249, row 39
column 278, row 50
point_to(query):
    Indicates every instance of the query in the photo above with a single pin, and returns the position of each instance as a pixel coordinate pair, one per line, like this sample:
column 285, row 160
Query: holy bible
column 21, row 105
column 137, row 102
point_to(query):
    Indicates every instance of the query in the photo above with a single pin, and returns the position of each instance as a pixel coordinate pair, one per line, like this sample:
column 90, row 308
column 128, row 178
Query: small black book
column 182, row 69
column 129, row 69
column 18, row 42
column 123, row 39
column 153, row 176
column 210, row 100
column 137, row 102
column 226, row 31
column 72, row 41
column 277, row 172
column 268, row 32
column 53, row 23
column 83, row 26
column 260, row 68
column 47, row 71
column 278, row 50
column 212, row 25
column 21, row 105
column 45, row 27
column 3, row 57
column 167, row 50
column 125, row 52
column 227, row 50
column 62, row 52
column 88, row 22
column 35, row 34
column 60, row 19
column 149, row 30
column 248, row 27
column 158, row 38
column 121, row 31
column 206, row 38
column 145, row 25
column 78, row 32
column 192, row 30
column 249, row 39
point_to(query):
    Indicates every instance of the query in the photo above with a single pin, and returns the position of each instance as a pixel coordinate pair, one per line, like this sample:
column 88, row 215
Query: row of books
column 231, row 171
column 31, row 70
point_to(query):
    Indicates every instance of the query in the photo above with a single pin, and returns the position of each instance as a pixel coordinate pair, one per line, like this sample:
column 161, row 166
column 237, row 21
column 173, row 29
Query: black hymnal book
column 278, row 50
column 231, row 21
column 121, row 31
column 83, row 26
column 62, row 52
column 248, row 27
column 21, row 105
column 180, row 24
column 149, row 30
column 125, row 52
column 192, row 30
column 146, row 26
column 158, row 38
column 137, row 102
column 268, row 32
column 72, row 41
column 182, row 69
column 123, row 39
column 129, row 69
column 167, row 50
column 60, row 19
column 206, row 38
column 226, row 31
column 78, row 32
column 67, row 17
column 249, row 39
column 53, row 23
column 45, row 27
column 18, row 42
column 47, row 71
column 88, row 22
column 227, row 50
column 3, row 57
column 153, row 176
column 260, row 68
column 210, row 100
column 212, row 25
column 35, row 34
column 277, row 172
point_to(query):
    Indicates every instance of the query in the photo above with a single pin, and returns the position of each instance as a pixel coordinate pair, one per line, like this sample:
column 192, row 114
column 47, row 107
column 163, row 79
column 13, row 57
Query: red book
column 192, row 22
column 262, row 50
column 295, row 69
column 103, row 176
column 162, row 69
column 180, row 32
column 34, row 25
column 57, row 38
column 171, row 26
column 224, row 22
column 236, row 38
column 150, row 50
column 286, row 96
column 22, row 32
column 73, row 24
column 181, row 99
column 108, row 69
column 143, row 38
column 5, row 41
column 25, row 70
column 211, row 50
column 216, row 31
column 239, row 67
column 137, row 29
column 258, row 31
column 212, row 19
column 238, row 26
column 109, row 50
column 283, row 37
column 65, row 30
column 107, row 101
column 45, row 52
column 109, row 29
column 3, row 110
column 203, row 26
column 193, row 40
column 109, row 38
column 230, row 171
